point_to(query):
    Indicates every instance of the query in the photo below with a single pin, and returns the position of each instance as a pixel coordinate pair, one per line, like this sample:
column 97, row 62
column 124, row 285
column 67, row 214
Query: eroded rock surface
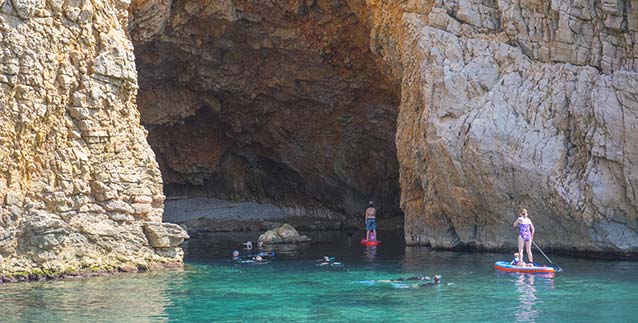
column 504, row 104
column 286, row 233
column 278, row 101
column 77, row 177
column 509, row 104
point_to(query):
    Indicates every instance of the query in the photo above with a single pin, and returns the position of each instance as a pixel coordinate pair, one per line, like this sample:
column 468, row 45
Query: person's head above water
column 235, row 253
column 258, row 258
column 437, row 279
column 326, row 258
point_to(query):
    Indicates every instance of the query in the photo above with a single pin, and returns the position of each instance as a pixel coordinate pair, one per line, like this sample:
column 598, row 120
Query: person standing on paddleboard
column 525, row 234
column 371, row 221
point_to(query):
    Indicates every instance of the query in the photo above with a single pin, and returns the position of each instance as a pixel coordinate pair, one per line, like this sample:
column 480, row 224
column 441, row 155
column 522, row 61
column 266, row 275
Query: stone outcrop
column 279, row 102
column 504, row 104
column 509, row 104
column 501, row 104
column 78, row 180
column 286, row 233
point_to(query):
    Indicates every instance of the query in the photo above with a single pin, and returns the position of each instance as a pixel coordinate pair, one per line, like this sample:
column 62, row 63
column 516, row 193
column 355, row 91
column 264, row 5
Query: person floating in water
column 267, row 254
column 371, row 222
column 436, row 280
column 248, row 245
column 405, row 279
column 526, row 235
column 413, row 282
column 413, row 278
column 329, row 261
column 236, row 255
column 255, row 260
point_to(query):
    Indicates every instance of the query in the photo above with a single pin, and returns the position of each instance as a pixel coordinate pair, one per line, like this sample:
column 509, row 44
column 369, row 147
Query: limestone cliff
column 501, row 104
column 276, row 101
column 509, row 104
column 80, row 189
column 504, row 104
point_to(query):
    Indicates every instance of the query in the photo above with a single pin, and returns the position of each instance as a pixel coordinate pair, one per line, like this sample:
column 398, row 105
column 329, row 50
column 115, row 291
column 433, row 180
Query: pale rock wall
column 79, row 185
column 509, row 104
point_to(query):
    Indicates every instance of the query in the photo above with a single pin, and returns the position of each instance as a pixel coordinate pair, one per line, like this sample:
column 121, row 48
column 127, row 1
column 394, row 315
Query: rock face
column 509, row 104
column 279, row 102
column 502, row 104
column 284, row 234
column 78, row 180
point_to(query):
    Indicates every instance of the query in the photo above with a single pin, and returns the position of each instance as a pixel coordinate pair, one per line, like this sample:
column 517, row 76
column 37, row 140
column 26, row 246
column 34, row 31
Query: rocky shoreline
column 215, row 215
column 458, row 113
column 206, row 215
column 38, row 274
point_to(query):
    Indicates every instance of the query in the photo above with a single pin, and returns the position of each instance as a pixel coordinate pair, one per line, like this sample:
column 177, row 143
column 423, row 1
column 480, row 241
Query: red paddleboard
column 506, row 266
column 370, row 243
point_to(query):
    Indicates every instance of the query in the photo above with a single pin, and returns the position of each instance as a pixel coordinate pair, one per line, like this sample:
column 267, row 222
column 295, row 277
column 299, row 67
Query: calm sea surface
column 292, row 287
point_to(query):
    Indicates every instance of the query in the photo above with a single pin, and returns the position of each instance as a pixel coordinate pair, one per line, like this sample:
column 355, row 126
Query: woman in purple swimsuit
column 525, row 234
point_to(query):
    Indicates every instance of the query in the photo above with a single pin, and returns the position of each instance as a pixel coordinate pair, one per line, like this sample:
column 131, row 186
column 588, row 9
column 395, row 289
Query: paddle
column 558, row 269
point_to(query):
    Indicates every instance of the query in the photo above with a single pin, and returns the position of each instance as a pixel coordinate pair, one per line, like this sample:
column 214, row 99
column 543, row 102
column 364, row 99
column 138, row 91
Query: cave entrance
column 282, row 104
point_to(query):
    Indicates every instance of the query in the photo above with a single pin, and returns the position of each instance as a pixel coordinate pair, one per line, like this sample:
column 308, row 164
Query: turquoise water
column 292, row 288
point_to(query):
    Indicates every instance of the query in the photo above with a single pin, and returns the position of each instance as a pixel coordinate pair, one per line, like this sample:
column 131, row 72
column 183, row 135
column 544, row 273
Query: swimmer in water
column 405, row 279
column 260, row 244
column 329, row 261
column 248, row 245
column 267, row 254
column 435, row 281
column 236, row 255
column 255, row 260
column 417, row 278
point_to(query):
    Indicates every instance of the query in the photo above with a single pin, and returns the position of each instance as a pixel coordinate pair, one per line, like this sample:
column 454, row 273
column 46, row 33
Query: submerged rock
column 286, row 233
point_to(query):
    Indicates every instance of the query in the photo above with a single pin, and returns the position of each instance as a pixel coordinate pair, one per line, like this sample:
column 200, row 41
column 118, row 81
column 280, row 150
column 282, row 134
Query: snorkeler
column 267, row 254
column 329, row 261
column 248, row 245
column 404, row 279
column 435, row 281
column 420, row 277
column 255, row 260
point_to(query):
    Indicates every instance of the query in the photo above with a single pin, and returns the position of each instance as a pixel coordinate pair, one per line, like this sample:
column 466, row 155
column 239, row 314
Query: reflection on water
column 292, row 288
column 115, row 298
column 370, row 253
column 527, row 299
column 526, row 285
